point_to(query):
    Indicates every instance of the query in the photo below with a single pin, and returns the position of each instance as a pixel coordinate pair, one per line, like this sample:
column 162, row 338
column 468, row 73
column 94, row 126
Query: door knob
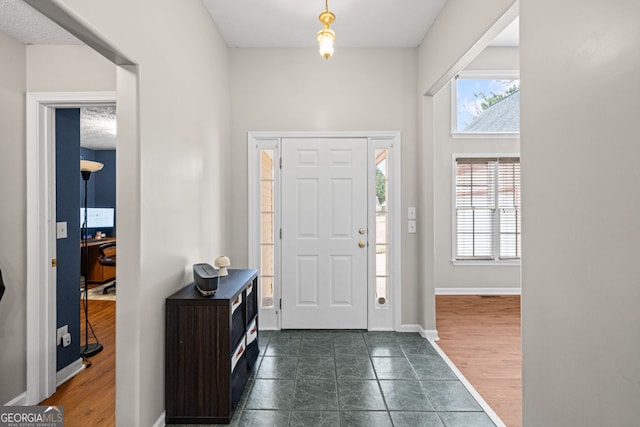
column 362, row 231
column 362, row 244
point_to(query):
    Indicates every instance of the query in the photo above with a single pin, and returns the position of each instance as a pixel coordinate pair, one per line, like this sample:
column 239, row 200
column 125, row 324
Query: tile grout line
column 295, row 380
column 335, row 371
column 419, row 380
column 384, row 399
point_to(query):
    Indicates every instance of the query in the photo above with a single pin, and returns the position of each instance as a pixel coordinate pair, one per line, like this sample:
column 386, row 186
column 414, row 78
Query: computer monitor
column 98, row 217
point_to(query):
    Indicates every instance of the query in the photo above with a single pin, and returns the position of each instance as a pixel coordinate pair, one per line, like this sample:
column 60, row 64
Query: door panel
column 324, row 204
column 308, row 289
column 307, row 208
column 341, row 284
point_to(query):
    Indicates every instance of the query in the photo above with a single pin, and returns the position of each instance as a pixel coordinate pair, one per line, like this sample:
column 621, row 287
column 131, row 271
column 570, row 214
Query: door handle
column 362, row 244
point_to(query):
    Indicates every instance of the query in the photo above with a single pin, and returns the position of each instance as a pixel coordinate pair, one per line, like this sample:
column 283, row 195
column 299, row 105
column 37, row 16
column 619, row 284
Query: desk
column 97, row 273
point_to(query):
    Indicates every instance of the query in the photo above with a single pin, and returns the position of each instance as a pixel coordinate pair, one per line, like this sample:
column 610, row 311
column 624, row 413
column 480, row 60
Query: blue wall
column 68, row 250
column 105, row 196
column 102, row 185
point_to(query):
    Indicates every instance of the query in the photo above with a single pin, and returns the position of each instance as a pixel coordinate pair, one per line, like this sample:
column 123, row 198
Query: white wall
column 496, row 58
column 297, row 90
column 448, row 276
column 449, row 46
column 64, row 68
column 13, row 251
column 173, row 129
column 581, row 208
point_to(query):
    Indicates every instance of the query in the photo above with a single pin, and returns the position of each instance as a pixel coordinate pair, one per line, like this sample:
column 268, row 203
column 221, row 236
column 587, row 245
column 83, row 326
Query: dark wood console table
column 211, row 345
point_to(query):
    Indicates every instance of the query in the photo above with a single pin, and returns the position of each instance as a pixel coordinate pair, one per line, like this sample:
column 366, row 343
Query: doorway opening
column 83, row 135
column 42, row 375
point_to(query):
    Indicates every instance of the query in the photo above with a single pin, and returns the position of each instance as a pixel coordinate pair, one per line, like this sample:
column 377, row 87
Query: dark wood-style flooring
column 481, row 335
column 89, row 398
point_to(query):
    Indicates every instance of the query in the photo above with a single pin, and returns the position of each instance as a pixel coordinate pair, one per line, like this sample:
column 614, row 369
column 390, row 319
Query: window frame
column 479, row 75
column 495, row 260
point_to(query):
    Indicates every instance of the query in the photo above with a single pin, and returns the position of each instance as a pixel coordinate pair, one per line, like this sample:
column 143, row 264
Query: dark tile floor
column 353, row 378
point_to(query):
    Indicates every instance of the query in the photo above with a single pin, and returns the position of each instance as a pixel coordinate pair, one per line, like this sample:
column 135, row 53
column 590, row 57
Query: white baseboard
column 485, row 406
column 68, row 372
column 478, row 291
column 20, row 400
column 62, row 376
column 430, row 334
column 160, row 421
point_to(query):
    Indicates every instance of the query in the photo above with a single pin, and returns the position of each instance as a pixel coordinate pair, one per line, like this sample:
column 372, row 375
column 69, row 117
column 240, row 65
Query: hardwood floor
column 89, row 398
column 481, row 335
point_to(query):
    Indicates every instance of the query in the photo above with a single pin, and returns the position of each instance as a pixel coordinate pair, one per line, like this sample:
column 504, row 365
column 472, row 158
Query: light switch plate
column 412, row 227
column 411, row 213
column 61, row 230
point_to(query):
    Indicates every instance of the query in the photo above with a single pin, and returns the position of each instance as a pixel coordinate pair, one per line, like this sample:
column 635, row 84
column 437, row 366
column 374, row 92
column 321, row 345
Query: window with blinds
column 487, row 209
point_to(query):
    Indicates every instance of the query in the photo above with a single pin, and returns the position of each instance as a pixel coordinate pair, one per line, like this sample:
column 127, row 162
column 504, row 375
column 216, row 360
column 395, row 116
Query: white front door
column 324, row 233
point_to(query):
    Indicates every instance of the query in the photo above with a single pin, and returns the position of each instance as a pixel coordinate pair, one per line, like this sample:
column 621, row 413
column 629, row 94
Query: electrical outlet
column 412, row 227
column 62, row 331
column 411, row 213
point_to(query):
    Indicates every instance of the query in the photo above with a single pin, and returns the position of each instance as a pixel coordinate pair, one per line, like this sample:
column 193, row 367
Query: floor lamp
column 88, row 350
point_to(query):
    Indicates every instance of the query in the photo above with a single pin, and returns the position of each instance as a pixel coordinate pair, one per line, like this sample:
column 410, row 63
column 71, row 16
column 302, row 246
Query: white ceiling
column 98, row 127
column 294, row 23
column 277, row 23
column 259, row 23
column 25, row 24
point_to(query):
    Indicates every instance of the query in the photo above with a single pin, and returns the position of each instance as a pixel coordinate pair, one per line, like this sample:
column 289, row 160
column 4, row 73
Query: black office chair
column 108, row 258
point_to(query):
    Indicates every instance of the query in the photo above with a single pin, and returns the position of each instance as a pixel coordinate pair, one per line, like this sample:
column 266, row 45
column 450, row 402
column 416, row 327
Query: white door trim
column 388, row 318
column 41, row 242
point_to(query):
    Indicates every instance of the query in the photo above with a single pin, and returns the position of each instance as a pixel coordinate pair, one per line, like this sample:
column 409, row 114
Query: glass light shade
column 90, row 166
column 325, row 41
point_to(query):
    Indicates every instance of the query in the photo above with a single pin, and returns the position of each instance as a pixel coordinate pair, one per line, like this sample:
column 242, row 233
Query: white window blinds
column 509, row 205
column 487, row 204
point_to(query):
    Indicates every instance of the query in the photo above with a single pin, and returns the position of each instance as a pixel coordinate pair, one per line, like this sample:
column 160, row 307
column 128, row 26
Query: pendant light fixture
column 326, row 36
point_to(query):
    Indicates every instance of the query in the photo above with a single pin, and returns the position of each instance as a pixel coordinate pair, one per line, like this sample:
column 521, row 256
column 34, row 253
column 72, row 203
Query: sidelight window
column 267, row 227
column 382, row 226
